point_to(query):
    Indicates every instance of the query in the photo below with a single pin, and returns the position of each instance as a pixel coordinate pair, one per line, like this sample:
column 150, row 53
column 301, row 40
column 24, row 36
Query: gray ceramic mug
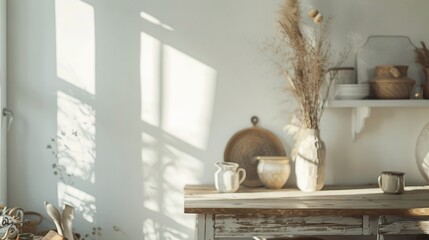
column 391, row 182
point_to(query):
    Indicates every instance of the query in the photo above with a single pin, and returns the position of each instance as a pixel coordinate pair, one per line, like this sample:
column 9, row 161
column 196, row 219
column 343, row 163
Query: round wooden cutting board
column 247, row 144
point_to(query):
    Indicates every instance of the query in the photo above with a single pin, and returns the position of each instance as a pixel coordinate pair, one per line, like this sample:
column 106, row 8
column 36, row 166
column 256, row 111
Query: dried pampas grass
column 304, row 55
column 422, row 55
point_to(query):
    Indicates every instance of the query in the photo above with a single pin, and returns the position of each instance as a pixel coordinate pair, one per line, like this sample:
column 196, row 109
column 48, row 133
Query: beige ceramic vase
column 273, row 171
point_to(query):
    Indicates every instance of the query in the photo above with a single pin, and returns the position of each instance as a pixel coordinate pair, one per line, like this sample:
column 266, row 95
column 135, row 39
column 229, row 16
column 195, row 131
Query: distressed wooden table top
column 335, row 201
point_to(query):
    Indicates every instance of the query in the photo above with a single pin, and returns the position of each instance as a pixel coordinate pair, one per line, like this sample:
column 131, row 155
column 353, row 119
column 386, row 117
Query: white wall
column 3, row 87
column 156, row 89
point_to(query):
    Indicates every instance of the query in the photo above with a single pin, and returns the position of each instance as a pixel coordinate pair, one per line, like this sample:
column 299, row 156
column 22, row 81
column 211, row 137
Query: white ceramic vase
column 422, row 152
column 310, row 161
column 273, row 171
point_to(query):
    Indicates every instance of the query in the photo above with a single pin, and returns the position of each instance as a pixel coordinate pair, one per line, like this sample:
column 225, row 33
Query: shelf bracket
column 359, row 116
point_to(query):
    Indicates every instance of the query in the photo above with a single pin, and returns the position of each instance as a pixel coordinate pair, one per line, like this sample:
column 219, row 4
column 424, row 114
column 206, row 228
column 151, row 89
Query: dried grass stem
column 304, row 57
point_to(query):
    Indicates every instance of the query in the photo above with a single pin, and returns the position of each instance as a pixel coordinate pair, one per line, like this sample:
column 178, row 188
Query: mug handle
column 398, row 185
column 243, row 175
column 379, row 181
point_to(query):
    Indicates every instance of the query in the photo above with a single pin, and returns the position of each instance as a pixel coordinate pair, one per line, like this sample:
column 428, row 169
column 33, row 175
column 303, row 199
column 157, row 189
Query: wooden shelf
column 378, row 103
column 361, row 109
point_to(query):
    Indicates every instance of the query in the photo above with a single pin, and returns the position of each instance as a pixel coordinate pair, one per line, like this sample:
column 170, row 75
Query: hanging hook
column 9, row 115
column 254, row 120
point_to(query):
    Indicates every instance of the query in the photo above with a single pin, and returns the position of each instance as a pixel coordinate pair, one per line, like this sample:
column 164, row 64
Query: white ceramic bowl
column 343, row 75
column 351, row 91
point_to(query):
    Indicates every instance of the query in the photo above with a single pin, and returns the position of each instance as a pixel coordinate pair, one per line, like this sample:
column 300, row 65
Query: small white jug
column 227, row 177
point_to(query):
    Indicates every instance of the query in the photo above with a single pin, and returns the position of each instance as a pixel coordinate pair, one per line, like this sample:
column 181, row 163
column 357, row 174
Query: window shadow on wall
column 177, row 98
column 133, row 122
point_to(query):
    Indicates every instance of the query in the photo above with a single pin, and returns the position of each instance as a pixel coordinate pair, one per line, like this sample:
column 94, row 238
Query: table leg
column 201, row 226
column 381, row 220
column 209, row 227
column 205, row 227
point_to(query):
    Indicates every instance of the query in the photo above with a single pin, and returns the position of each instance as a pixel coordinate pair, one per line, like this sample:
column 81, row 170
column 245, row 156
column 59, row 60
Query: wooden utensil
column 67, row 220
column 55, row 215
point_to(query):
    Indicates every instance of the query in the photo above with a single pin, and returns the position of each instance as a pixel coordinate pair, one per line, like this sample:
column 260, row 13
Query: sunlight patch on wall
column 150, row 230
column 188, row 97
column 174, row 234
column 153, row 230
column 151, row 163
column 155, row 21
column 150, row 49
column 82, row 201
column 76, row 137
column 177, row 92
column 75, row 42
column 166, row 170
column 179, row 169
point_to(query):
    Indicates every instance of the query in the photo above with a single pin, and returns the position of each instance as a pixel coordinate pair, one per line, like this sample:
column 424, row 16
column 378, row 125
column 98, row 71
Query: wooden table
column 264, row 213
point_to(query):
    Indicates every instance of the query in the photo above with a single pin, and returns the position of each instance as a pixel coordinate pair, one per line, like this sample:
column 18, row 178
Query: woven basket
column 30, row 222
column 391, row 71
column 391, row 88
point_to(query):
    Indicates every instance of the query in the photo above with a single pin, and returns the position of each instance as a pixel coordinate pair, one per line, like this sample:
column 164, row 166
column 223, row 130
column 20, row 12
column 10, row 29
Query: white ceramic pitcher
column 227, row 177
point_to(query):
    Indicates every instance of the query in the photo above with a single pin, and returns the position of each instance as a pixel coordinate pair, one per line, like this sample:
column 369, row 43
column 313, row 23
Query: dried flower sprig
column 96, row 234
column 304, row 56
column 57, row 168
column 422, row 55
